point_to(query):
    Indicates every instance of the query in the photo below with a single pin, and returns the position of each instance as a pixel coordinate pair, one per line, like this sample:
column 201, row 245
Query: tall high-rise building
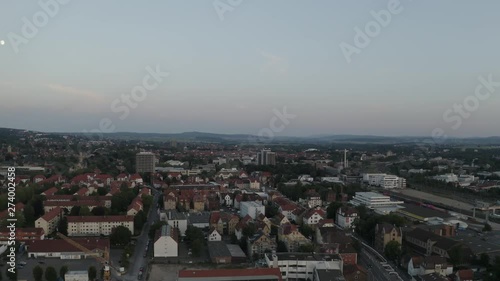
column 266, row 157
column 145, row 162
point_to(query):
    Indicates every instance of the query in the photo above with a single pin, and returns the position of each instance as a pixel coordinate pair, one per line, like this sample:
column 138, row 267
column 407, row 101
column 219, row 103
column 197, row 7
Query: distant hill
column 12, row 134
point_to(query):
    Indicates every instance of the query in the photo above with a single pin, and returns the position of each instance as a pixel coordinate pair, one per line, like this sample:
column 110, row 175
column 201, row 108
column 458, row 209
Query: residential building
column 260, row 243
column 50, row 220
column 291, row 236
column 22, row 234
column 251, row 208
column 313, row 216
column 166, row 243
column 346, row 217
column 145, row 162
column 97, row 225
column 214, row 235
column 385, row 233
column 177, row 220
column 266, row 157
column 384, row 181
column 430, row 264
column 428, row 243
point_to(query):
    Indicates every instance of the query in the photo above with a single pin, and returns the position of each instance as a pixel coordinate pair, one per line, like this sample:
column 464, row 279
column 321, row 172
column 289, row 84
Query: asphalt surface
column 138, row 260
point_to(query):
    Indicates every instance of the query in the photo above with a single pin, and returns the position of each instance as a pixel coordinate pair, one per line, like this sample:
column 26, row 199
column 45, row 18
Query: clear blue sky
column 227, row 76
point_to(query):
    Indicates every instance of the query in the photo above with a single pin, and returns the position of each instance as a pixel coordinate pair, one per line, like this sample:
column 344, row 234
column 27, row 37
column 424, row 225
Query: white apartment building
column 385, row 181
column 251, row 208
column 346, row 216
column 50, row 220
column 177, row 220
column 97, row 225
column 301, row 266
column 447, row 178
column 166, row 243
column 375, row 201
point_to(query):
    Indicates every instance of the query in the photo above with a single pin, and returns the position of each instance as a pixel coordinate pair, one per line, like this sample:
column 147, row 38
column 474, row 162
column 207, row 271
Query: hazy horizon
column 227, row 74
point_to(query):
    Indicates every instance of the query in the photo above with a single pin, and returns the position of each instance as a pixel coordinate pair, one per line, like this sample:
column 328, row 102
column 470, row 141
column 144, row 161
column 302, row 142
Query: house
column 22, row 234
column 38, row 178
column 313, row 216
column 166, row 243
column 225, row 223
column 135, row 207
column 177, row 220
column 214, row 235
column 293, row 239
column 50, row 220
column 385, row 233
column 198, row 203
column 346, row 216
column 50, row 191
column 169, row 202
column 430, row 264
column 313, row 199
column 464, row 275
column 260, row 243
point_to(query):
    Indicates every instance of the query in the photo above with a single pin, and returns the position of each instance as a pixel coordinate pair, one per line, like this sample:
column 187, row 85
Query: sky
column 234, row 66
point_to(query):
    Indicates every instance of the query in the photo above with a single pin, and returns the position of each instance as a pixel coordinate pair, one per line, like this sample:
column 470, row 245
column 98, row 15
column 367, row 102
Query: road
column 138, row 260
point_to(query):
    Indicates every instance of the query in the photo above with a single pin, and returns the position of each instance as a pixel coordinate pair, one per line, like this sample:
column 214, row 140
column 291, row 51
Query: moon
column 2, row 42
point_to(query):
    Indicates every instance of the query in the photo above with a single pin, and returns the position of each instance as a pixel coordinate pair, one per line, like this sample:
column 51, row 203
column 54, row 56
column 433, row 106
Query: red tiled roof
column 210, row 273
column 52, row 214
column 99, row 218
column 50, row 191
column 58, row 245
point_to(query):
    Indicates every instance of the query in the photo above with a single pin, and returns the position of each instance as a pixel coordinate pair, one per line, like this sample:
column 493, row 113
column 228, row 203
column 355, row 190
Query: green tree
column 331, row 211
column 38, row 273
column 392, row 250
column 85, row 211
column 99, row 211
column 29, row 214
column 306, row 230
column 197, row 247
column 62, row 271
column 147, row 201
column 484, row 259
column 75, row 211
column 156, row 226
column 487, row 227
column 306, row 248
column 281, row 247
column 457, row 255
column 139, row 220
column 63, row 226
column 51, row 274
column 92, row 273
column 120, row 236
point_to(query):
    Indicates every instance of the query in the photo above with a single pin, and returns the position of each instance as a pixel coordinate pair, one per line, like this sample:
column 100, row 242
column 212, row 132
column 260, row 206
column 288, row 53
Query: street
column 138, row 260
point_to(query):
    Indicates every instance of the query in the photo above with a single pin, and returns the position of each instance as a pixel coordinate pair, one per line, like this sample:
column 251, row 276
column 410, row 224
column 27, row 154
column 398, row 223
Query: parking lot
column 26, row 273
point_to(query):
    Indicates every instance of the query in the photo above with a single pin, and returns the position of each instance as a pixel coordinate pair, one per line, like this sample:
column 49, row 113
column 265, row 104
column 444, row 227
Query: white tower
column 345, row 159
